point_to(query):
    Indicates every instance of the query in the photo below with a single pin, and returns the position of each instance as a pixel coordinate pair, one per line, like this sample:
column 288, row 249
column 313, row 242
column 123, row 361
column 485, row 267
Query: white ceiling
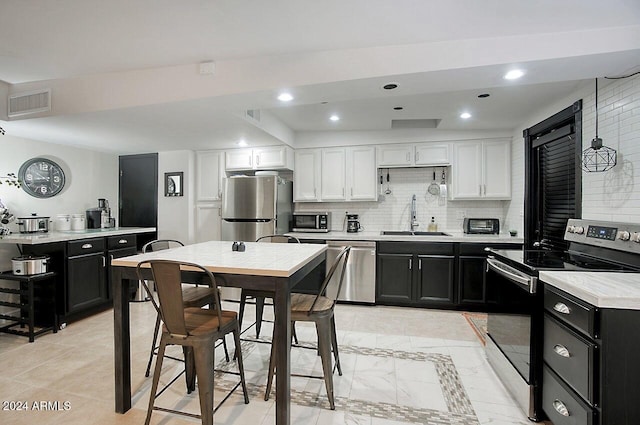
column 124, row 74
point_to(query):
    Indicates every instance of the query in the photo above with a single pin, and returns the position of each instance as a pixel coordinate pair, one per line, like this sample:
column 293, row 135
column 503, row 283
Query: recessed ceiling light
column 390, row 86
column 483, row 95
column 285, row 97
column 398, row 108
column 513, row 74
column 334, row 117
column 242, row 143
column 465, row 115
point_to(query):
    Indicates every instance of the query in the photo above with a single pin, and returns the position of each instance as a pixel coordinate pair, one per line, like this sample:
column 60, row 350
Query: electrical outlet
column 461, row 214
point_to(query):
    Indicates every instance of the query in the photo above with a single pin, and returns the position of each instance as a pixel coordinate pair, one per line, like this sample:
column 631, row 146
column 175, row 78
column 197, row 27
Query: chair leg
column 243, row 301
column 203, row 359
column 272, row 368
column 236, row 338
column 226, row 350
column 334, row 343
column 156, row 379
column 324, row 345
column 153, row 345
column 259, row 312
column 293, row 332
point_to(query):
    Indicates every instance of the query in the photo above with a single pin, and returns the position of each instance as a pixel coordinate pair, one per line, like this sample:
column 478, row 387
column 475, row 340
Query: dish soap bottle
column 433, row 226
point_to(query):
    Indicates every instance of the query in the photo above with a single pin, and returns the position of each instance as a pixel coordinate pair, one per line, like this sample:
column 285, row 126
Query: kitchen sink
column 409, row 233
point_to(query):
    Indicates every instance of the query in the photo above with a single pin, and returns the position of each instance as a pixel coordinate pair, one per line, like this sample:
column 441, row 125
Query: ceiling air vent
column 417, row 123
column 29, row 102
column 253, row 114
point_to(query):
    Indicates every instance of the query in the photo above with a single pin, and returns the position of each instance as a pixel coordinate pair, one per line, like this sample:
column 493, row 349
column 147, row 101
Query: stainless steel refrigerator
column 255, row 206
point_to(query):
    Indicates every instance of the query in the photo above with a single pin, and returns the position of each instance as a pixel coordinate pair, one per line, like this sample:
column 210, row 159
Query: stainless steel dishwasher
column 359, row 283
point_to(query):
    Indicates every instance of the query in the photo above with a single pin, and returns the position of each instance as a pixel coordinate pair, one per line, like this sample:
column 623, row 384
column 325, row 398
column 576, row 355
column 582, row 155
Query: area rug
column 478, row 322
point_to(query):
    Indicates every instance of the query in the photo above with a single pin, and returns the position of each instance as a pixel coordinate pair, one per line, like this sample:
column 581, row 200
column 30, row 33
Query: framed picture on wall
column 173, row 184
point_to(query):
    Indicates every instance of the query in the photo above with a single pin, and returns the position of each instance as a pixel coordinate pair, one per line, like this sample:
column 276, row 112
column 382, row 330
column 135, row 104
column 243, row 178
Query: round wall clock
column 41, row 177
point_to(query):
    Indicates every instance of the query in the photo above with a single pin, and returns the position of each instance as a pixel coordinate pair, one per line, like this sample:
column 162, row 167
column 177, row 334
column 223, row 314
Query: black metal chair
column 318, row 309
column 193, row 296
column 195, row 329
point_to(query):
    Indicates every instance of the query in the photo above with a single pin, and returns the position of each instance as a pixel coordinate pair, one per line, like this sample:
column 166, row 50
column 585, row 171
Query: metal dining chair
column 193, row 296
column 320, row 310
column 195, row 329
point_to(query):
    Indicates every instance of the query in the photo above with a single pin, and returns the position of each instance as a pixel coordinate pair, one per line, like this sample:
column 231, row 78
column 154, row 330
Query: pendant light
column 598, row 158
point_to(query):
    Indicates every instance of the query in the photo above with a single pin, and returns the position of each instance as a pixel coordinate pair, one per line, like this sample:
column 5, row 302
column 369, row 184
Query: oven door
column 513, row 328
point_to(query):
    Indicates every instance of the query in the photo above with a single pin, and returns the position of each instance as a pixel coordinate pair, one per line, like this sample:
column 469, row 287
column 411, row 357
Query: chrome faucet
column 414, row 221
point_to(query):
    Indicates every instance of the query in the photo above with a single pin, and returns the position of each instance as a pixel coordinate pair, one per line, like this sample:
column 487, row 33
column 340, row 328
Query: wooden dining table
column 275, row 267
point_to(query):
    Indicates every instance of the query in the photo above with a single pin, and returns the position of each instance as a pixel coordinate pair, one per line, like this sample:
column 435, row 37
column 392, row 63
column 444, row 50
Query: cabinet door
column 333, row 182
column 395, row 156
column 466, row 170
column 86, row 282
column 362, row 173
column 208, row 222
column 435, row 279
column 307, row 175
column 394, row 278
column 271, row 157
column 239, row 159
column 118, row 253
column 496, row 157
column 432, row 154
column 471, row 283
column 209, row 174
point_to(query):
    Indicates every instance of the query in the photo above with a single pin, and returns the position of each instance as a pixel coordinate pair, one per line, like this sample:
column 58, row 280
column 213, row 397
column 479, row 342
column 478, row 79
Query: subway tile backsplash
column 391, row 212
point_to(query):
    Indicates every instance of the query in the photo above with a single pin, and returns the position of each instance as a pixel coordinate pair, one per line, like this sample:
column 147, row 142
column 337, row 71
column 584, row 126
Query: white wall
column 612, row 195
column 176, row 213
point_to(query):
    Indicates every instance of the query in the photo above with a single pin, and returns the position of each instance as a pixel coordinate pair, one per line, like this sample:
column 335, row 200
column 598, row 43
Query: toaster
column 481, row 226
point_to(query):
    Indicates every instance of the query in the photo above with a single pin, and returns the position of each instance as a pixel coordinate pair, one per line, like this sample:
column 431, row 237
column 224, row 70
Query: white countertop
column 456, row 236
column 70, row 235
column 601, row 289
column 262, row 259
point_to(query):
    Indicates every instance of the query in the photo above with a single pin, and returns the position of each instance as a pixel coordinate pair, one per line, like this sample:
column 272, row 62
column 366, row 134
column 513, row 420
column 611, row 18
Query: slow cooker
column 30, row 264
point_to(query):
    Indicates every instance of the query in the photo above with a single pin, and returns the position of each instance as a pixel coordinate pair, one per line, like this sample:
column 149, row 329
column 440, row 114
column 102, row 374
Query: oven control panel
column 613, row 235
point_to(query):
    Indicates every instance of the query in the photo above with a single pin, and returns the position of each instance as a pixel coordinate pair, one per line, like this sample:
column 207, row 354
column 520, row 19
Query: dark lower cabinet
column 86, row 274
column 418, row 274
column 118, row 247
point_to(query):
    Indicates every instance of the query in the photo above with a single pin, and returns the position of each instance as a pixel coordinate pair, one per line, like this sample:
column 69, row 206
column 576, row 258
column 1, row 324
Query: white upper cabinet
column 306, row 181
column 209, row 175
column 266, row 158
column 416, row 155
column 481, row 170
column 362, row 173
column 335, row 174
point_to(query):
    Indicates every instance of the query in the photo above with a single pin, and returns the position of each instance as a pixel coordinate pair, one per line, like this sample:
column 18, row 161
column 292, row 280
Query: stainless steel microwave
column 311, row 222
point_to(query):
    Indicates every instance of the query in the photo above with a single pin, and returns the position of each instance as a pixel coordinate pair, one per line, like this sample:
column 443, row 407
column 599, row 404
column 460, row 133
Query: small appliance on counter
column 33, row 224
column 100, row 218
column 484, row 226
column 311, row 222
column 353, row 225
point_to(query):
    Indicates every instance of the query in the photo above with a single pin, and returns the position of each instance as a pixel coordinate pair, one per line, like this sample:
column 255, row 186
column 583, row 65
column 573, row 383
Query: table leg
column 282, row 310
column 122, row 342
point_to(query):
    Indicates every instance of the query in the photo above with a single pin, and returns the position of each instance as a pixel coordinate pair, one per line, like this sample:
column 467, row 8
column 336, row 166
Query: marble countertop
column 262, row 259
column 601, row 289
column 63, row 236
column 456, row 236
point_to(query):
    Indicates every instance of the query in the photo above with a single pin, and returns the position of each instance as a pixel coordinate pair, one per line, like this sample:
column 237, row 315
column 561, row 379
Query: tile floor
column 401, row 366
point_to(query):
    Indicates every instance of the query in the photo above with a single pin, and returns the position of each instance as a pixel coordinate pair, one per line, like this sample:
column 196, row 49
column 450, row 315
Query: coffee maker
column 100, row 217
column 353, row 225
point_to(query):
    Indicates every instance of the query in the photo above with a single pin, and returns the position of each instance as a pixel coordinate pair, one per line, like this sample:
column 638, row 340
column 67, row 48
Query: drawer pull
column 122, row 241
column 560, row 407
column 561, row 350
column 87, row 246
column 562, row 308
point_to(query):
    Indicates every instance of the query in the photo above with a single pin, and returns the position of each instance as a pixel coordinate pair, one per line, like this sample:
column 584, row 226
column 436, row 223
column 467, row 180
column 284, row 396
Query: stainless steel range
column 514, row 326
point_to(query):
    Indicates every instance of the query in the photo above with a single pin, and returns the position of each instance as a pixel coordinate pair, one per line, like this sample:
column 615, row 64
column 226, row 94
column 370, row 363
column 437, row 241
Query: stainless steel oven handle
column 560, row 407
column 512, row 274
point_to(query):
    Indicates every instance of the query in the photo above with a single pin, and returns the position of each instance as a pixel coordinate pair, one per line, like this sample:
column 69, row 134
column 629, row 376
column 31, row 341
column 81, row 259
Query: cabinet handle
column 417, row 156
column 352, row 192
column 484, row 186
column 562, row 308
column 410, row 263
column 257, row 160
column 104, row 261
column 561, row 350
column 420, row 264
column 408, row 157
column 111, row 258
column 122, row 241
column 560, row 407
column 250, row 160
column 87, row 246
